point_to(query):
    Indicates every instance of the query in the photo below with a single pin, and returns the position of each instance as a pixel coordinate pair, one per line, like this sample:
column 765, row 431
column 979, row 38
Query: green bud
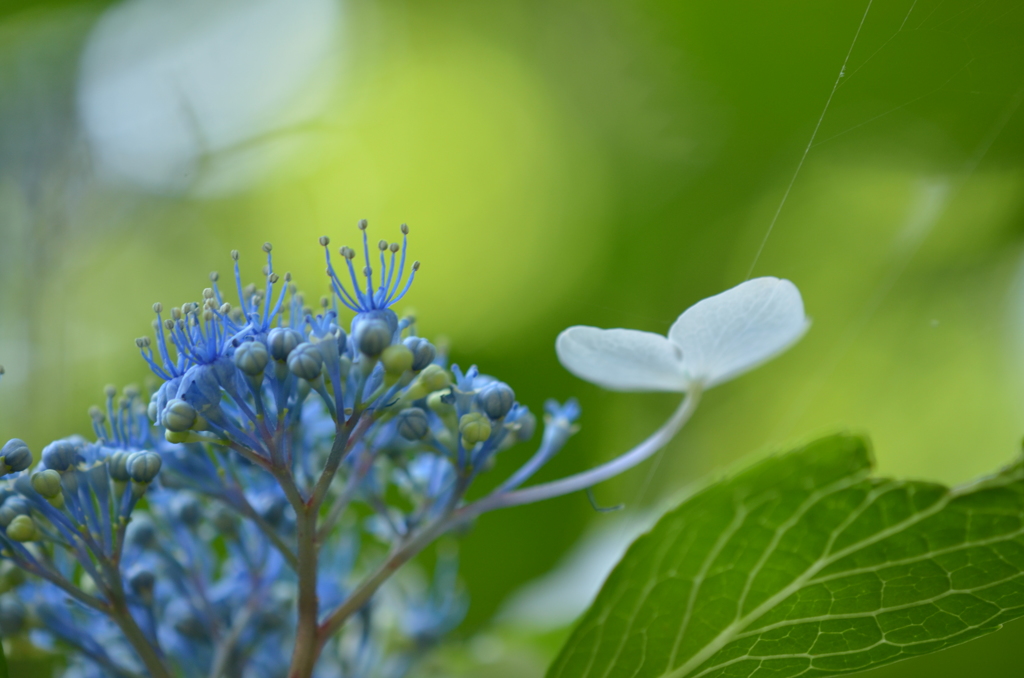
column 412, row 423
column 441, row 403
column 397, row 359
column 178, row 416
column 11, row 509
column 22, row 528
column 306, row 361
column 432, row 378
column 251, row 357
column 47, row 483
column 474, row 427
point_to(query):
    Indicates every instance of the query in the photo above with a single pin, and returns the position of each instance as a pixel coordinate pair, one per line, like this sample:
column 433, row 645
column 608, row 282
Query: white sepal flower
column 713, row 341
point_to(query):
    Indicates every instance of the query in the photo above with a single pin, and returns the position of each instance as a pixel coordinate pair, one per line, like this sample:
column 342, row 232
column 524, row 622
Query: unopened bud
column 372, row 337
column 412, row 423
column 143, row 466
column 527, row 424
column 423, row 352
column 178, row 416
column 15, row 456
column 306, row 361
column 142, row 532
column 251, row 357
column 225, row 521
column 474, row 428
column 397, row 359
column 60, row 455
column 434, row 378
column 186, row 509
column 495, row 399
column 22, row 528
column 441, row 403
column 47, row 483
column 281, row 341
column 142, row 583
column 11, row 509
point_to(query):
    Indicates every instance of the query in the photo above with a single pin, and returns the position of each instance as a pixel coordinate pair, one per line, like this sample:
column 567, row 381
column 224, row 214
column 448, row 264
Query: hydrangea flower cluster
column 281, row 471
column 252, row 515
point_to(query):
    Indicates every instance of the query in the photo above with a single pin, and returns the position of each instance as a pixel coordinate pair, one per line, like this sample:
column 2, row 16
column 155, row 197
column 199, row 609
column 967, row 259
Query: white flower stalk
column 714, row 340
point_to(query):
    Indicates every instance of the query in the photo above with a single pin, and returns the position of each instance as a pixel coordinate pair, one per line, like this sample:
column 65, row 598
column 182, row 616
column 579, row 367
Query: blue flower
column 390, row 289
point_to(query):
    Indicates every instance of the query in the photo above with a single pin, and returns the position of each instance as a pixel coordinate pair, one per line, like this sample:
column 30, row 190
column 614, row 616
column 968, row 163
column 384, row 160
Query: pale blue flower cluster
column 248, row 518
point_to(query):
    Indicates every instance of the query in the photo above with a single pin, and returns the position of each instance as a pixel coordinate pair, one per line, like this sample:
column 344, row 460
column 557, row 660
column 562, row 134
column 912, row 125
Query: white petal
column 622, row 360
column 730, row 333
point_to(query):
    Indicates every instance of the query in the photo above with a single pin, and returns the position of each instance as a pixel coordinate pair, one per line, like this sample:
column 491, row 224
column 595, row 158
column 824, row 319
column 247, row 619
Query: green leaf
column 3, row 661
column 805, row 565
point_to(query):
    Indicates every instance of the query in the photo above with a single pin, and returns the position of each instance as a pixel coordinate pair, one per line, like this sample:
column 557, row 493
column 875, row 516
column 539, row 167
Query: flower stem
column 586, row 479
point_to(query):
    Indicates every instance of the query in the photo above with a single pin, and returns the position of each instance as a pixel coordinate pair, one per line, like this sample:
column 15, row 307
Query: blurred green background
column 561, row 162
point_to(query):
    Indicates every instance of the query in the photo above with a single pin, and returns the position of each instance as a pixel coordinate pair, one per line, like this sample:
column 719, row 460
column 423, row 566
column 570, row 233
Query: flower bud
column 527, row 425
column 117, row 466
column 60, row 455
column 47, row 483
column 372, row 337
column 187, row 510
column 142, row 532
column 143, row 466
column 191, row 626
column 474, row 428
column 397, row 360
column 15, row 456
column 495, row 399
column 281, row 341
column 22, row 528
column 12, row 616
column 441, row 402
column 251, row 357
column 434, row 378
column 142, row 583
column 423, row 352
column 11, row 509
column 412, row 423
column 225, row 521
column 178, row 416
column 306, row 361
